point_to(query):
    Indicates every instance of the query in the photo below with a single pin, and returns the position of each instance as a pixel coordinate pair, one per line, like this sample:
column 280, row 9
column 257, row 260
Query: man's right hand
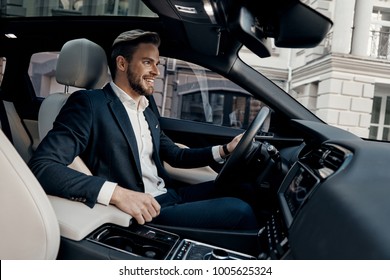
column 141, row 206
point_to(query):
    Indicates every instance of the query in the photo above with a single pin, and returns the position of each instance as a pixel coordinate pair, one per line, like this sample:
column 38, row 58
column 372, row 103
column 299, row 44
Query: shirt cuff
column 106, row 192
column 216, row 155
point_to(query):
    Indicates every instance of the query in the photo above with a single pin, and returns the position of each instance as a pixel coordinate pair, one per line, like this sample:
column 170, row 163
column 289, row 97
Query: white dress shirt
column 154, row 184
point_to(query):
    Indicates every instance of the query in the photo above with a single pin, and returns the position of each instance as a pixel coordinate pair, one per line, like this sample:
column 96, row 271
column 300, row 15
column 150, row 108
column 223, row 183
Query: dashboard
column 307, row 173
column 334, row 200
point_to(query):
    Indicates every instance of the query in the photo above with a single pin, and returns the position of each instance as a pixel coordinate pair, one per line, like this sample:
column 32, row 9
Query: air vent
column 332, row 158
column 327, row 159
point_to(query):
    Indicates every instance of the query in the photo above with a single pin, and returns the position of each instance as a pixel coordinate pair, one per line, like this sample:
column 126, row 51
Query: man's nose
column 155, row 70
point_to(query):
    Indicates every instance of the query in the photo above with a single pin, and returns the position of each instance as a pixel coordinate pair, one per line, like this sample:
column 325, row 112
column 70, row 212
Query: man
column 120, row 140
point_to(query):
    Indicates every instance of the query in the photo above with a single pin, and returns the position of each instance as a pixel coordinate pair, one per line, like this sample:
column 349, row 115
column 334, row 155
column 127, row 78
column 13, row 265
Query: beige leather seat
column 20, row 138
column 29, row 226
column 82, row 64
column 191, row 175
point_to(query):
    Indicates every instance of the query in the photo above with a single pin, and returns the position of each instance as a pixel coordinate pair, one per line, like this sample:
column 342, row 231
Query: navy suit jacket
column 94, row 125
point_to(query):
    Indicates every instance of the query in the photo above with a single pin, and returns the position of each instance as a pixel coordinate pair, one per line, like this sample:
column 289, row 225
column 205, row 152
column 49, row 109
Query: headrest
column 82, row 63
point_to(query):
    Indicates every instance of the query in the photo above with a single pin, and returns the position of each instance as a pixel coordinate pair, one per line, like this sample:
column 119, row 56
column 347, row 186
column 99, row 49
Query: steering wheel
column 238, row 155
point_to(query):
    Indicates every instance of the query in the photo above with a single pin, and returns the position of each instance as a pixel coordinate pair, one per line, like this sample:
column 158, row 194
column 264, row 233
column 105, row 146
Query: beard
column 137, row 84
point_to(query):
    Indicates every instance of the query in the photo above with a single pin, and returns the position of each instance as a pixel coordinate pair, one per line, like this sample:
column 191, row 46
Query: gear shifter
column 219, row 254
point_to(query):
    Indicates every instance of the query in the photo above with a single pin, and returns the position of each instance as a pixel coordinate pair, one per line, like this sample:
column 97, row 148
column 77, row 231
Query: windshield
column 30, row 8
column 345, row 80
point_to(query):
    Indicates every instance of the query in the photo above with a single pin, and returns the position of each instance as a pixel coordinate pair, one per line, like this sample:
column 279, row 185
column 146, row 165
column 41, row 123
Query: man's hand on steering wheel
column 241, row 144
column 229, row 147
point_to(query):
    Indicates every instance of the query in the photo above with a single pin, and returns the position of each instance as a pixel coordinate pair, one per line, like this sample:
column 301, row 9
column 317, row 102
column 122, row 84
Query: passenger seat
column 83, row 64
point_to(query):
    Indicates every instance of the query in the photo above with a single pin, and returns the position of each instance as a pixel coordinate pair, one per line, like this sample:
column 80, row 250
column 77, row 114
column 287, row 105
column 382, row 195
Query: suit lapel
column 122, row 118
column 154, row 128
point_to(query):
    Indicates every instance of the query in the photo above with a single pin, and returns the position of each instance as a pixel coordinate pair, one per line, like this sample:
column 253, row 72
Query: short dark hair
column 126, row 44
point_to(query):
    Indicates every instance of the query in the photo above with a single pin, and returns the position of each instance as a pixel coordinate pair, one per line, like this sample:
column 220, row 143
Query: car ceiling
column 184, row 25
column 51, row 32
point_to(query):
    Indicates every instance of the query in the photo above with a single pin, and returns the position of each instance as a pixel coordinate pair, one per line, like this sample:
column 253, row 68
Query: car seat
column 12, row 126
column 82, row 64
column 29, row 226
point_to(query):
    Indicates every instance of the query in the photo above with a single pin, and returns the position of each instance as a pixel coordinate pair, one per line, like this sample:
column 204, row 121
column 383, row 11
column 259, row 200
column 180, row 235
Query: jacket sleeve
column 184, row 157
column 171, row 153
column 63, row 143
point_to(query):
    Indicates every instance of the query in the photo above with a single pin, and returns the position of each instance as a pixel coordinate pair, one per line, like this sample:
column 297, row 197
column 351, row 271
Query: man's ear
column 121, row 63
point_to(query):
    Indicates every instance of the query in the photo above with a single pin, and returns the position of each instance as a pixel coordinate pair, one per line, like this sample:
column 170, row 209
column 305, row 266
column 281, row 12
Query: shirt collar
column 127, row 100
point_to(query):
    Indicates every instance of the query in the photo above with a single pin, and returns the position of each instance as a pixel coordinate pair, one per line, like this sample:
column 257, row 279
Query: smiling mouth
column 150, row 82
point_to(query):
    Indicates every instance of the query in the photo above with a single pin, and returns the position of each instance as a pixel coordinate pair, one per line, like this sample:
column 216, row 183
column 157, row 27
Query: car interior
column 316, row 197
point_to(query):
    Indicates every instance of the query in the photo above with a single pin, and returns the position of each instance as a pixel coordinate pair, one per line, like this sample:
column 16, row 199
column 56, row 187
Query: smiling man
column 120, row 140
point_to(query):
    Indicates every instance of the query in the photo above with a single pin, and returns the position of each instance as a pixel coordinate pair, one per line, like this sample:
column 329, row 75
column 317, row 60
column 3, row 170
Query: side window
column 190, row 92
column 183, row 91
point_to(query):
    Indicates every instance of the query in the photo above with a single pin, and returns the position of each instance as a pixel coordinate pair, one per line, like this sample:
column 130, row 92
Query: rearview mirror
column 301, row 27
column 292, row 24
column 245, row 29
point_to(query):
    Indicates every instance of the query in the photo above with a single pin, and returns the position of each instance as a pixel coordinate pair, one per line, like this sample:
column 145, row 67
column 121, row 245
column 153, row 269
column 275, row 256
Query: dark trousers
column 202, row 206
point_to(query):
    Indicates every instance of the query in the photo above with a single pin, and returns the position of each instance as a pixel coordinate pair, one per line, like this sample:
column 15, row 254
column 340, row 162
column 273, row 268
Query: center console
column 105, row 232
column 152, row 243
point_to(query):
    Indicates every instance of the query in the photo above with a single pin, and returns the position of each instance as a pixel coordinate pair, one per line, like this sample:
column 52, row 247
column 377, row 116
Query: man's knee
column 238, row 205
column 241, row 213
